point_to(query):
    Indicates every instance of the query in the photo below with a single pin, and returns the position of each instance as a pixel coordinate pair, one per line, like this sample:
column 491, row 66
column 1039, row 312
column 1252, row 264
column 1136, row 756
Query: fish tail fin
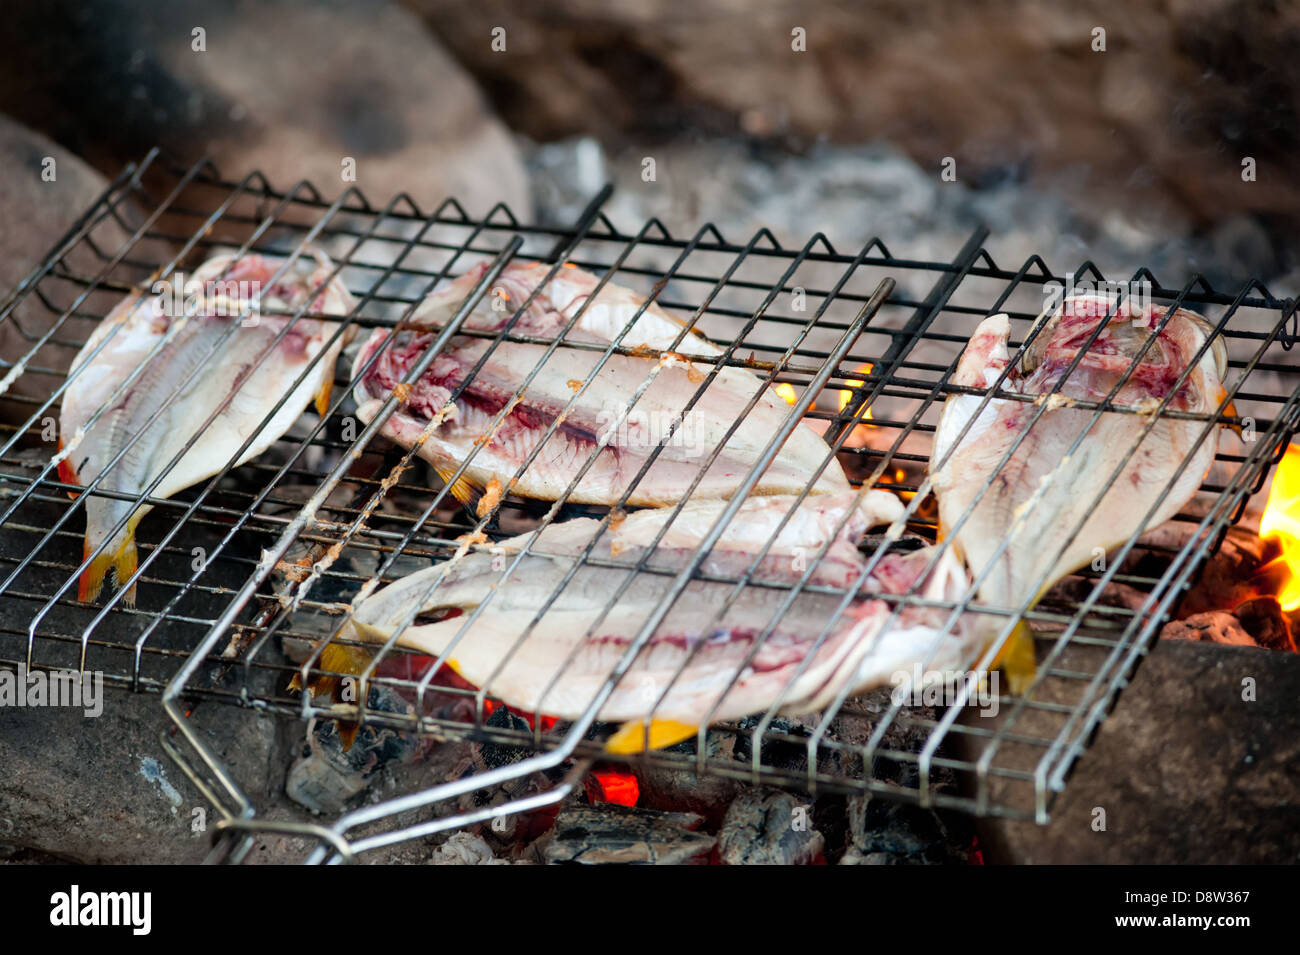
column 342, row 659
column 1016, row 659
column 335, row 658
column 461, row 489
column 120, row 556
column 125, row 563
column 323, row 396
column 1230, row 410
column 92, row 578
column 630, row 738
column 67, row 474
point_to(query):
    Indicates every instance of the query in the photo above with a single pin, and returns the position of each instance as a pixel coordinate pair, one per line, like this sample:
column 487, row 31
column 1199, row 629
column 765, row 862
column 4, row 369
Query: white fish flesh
column 1067, row 484
column 463, row 429
column 558, row 666
column 189, row 364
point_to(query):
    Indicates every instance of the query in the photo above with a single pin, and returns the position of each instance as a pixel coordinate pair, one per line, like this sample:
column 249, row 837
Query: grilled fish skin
column 463, row 428
column 186, row 365
column 1069, row 484
column 557, row 668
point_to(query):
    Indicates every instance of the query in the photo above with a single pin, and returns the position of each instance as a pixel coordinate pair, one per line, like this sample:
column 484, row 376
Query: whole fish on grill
column 202, row 367
column 558, row 665
column 448, row 434
column 1043, row 482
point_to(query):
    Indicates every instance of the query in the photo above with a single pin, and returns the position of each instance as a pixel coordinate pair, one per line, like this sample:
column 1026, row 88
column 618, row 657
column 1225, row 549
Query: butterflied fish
column 558, row 666
column 198, row 363
column 464, row 431
column 1164, row 467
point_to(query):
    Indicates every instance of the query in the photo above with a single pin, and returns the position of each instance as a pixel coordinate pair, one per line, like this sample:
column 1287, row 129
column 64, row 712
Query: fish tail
column 630, row 738
column 120, row 557
column 461, row 489
column 323, row 396
column 1016, row 659
column 67, row 474
column 1230, row 411
column 337, row 658
column 92, row 578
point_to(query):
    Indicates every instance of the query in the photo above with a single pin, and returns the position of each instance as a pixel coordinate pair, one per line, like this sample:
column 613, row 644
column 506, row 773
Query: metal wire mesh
column 244, row 577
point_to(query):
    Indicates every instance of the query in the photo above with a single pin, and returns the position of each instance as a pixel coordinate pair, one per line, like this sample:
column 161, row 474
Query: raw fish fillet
column 1070, row 483
column 558, row 667
column 463, row 428
column 190, row 335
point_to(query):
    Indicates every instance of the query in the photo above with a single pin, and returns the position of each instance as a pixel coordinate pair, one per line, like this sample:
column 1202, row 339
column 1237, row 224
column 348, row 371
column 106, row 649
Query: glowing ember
column 446, row 676
column 786, row 391
column 1282, row 521
column 846, row 395
column 617, row 787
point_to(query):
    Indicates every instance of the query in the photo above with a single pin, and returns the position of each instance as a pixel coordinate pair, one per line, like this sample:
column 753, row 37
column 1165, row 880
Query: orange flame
column 899, row 477
column 786, row 391
column 1282, row 521
column 846, row 395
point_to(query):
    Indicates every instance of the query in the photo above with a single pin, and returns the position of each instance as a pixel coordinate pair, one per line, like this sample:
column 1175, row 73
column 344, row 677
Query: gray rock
column 46, row 209
column 102, row 790
column 1185, row 769
column 292, row 88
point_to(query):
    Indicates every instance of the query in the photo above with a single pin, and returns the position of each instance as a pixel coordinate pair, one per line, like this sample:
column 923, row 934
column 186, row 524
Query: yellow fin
column 1016, row 658
column 323, row 396
column 337, row 658
column 462, row 490
column 1230, row 410
column 92, row 578
column 123, row 562
column 631, row 737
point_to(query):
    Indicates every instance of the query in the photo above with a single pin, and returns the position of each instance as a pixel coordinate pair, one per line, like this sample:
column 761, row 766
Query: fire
column 612, row 785
column 900, row 477
column 1282, row 521
column 846, row 395
column 786, row 391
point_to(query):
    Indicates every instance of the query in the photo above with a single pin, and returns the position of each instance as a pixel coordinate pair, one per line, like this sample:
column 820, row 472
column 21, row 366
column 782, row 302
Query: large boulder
column 44, row 191
column 292, row 88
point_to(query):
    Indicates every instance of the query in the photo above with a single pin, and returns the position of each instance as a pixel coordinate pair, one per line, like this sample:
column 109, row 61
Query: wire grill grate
column 867, row 342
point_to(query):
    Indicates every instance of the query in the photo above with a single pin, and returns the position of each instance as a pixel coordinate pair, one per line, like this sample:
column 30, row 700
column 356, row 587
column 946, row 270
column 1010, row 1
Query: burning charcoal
column 681, row 790
column 768, row 827
column 1263, row 619
column 609, row 833
column 1214, row 626
column 498, row 754
column 1228, row 577
column 778, row 753
column 321, row 781
column 330, row 776
column 891, row 833
column 1070, row 591
column 1255, row 623
column 505, row 829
